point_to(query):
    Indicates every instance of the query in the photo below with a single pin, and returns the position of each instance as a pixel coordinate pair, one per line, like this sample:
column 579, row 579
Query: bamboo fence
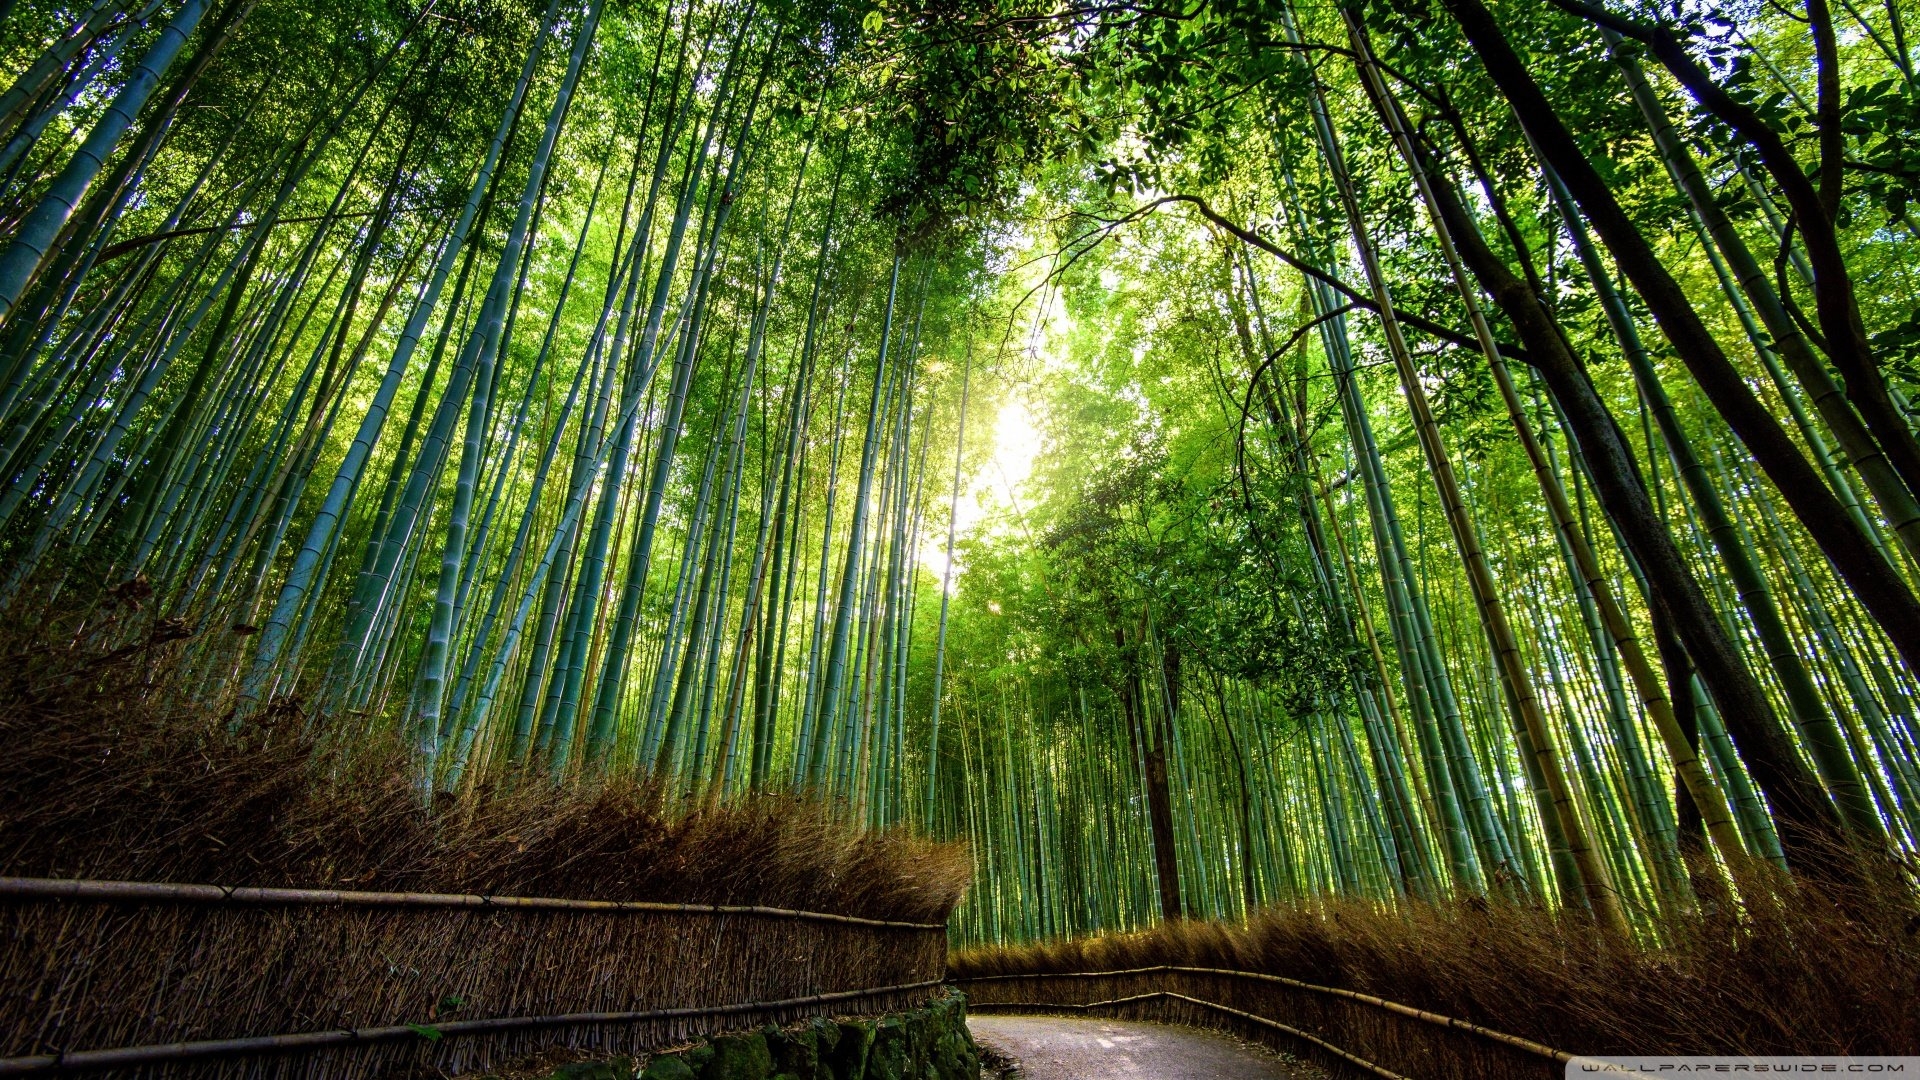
column 150, row 979
column 1341, row 1028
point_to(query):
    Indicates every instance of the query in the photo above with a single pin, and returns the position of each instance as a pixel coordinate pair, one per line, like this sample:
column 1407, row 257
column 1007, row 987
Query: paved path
column 1069, row 1048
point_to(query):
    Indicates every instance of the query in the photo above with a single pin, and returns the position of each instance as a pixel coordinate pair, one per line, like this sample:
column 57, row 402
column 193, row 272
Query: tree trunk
column 1153, row 752
column 1810, row 826
column 1878, row 586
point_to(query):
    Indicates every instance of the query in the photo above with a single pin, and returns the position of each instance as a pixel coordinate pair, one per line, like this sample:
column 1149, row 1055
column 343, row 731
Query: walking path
column 1066, row 1048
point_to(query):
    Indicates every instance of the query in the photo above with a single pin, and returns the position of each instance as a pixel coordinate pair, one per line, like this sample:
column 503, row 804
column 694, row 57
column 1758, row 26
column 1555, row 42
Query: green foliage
column 1230, row 556
column 970, row 93
column 1883, row 121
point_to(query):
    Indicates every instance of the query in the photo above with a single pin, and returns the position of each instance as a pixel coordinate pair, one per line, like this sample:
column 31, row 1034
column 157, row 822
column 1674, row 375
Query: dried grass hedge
column 1802, row 975
column 108, row 773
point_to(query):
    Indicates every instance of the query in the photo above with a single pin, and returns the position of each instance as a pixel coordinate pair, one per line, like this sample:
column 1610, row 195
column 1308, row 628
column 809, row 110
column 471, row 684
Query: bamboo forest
column 1188, row 460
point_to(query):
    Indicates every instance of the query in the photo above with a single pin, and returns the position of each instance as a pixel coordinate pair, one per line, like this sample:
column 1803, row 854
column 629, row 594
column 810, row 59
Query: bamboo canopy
column 1457, row 455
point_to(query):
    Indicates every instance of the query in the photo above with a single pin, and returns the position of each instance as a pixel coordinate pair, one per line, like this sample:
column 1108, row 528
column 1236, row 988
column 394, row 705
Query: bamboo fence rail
column 1393, row 1051
column 151, row 979
column 161, row 892
column 126, row 1056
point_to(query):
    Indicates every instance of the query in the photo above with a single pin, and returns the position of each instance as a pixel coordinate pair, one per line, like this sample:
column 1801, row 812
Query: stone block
column 667, row 1067
column 739, row 1057
column 849, row 1058
column 796, row 1053
column 892, row 1052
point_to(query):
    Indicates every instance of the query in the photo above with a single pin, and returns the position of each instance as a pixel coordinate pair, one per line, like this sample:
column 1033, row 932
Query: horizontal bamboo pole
column 161, row 892
column 125, row 1056
column 1316, row 1040
column 1515, row 1041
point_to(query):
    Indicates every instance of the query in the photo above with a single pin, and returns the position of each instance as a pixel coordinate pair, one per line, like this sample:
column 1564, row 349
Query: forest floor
column 1067, row 1048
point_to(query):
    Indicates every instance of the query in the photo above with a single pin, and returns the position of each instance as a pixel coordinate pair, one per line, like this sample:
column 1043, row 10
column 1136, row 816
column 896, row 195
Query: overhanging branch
column 1408, row 318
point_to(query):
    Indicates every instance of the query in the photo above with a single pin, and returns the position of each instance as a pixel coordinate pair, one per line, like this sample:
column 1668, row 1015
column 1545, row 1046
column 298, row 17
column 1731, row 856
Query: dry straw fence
column 199, row 980
column 1357, row 1034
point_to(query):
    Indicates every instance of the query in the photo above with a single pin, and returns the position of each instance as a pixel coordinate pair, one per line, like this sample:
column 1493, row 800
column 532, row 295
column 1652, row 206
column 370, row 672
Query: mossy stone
column 826, row 1034
column 849, row 1058
column 924, row 1030
column 667, row 1067
column 892, row 1052
column 739, row 1057
column 797, row 1053
column 955, row 1057
column 776, row 1041
column 928, row 1043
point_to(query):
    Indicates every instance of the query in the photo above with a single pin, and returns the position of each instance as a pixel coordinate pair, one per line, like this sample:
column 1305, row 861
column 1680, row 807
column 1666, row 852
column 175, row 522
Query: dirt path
column 1067, row 1048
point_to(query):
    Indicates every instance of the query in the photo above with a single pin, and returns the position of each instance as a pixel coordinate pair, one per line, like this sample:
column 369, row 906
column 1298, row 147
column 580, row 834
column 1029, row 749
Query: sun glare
column 995, row 486
column 1016, row 442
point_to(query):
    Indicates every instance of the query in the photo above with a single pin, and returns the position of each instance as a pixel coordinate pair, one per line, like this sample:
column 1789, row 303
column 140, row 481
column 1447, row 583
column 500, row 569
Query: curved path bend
column 1070, row 1048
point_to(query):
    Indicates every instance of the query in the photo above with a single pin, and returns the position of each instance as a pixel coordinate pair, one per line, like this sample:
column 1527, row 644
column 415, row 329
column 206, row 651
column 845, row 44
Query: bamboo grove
column 1472, row 451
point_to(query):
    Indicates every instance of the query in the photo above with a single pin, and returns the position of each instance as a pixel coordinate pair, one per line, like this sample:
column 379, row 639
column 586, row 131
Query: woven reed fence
column 354, row 984
column 1352, row 1033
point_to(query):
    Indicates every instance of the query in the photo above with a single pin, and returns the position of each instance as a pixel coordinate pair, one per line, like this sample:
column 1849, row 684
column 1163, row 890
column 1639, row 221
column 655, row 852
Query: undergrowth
column 1799, row 974
column 110, row 770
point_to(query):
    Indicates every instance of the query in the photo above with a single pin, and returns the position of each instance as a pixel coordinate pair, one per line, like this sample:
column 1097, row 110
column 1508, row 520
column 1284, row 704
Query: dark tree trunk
column 1835, row 299
column 1686, row 708
column 1878, row 586
column 1810, row 827
column 1159, row 802
column 1160, row 809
